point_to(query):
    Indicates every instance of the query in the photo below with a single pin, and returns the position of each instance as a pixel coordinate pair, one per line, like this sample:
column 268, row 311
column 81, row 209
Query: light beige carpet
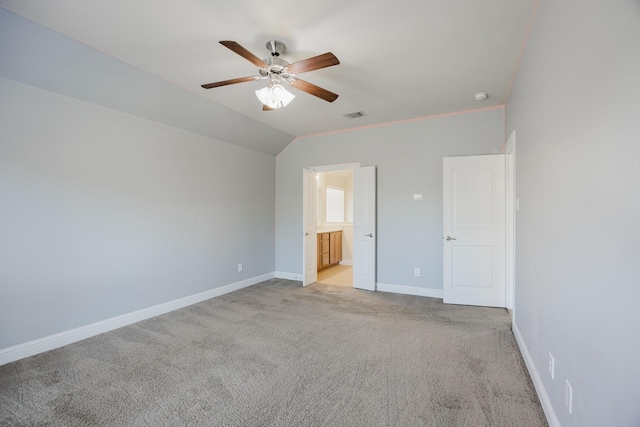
column 277, row 354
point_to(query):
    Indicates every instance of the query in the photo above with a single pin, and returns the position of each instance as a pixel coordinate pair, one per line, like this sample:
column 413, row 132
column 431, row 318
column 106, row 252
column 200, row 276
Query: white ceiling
column 399, row 59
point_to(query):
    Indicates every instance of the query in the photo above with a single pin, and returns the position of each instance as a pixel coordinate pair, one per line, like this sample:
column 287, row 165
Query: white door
column 474, row 230
column 364, row 228
column 309, row 229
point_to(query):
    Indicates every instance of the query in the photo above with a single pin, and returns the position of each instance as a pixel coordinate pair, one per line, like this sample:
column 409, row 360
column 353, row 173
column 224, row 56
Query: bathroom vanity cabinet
column 329, row 249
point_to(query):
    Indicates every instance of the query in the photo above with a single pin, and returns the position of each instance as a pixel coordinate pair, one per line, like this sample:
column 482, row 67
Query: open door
column 474, row 230
column 309, row 232
column 364, row 228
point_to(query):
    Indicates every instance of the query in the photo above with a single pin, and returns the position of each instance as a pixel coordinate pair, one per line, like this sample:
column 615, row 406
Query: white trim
column 410, row 290
column 60, row 339
column 346, row 262
column 552, row 418
column 289, row 276
column 510, row 222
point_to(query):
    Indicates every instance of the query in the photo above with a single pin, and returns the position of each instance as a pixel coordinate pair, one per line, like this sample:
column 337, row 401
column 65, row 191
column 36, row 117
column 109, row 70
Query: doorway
column 334, row 218
column 356, row 219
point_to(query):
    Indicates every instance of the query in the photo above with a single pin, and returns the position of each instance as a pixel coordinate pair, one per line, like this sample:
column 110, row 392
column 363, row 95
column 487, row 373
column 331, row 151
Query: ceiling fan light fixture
column 274, row 96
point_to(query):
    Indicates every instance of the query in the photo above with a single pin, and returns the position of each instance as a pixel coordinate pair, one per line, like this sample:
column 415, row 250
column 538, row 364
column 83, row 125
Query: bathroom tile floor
column 338, row 275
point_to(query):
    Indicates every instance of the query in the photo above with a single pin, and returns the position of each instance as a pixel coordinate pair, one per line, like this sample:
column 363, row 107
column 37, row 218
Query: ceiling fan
column 279, row 71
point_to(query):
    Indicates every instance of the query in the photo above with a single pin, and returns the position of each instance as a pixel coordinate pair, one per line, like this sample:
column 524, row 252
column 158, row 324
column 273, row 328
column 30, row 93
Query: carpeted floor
column 277, row 354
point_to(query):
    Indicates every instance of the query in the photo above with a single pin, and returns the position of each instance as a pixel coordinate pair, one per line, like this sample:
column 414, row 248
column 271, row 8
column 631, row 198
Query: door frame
column 320, row 168
column 511, row 207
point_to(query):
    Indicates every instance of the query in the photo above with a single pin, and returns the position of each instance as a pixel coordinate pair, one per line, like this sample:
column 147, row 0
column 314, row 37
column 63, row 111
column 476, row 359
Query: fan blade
column 230, row 82
column 321, row 61
column 265, row 108
column 234, row 46
column 314, row 90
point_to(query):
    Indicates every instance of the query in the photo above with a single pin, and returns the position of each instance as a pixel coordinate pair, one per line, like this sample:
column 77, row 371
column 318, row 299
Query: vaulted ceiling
column 399, row 60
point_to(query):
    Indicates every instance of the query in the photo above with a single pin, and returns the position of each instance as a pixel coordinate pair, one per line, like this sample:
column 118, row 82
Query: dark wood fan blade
column 321, row 61
column 314, row 90
column 230, row 82
column 234, row 46
column 265, row 108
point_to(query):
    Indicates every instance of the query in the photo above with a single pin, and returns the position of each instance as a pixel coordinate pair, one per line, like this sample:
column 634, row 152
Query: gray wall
column 575, row 108
column 408, row 157
column 103, row 213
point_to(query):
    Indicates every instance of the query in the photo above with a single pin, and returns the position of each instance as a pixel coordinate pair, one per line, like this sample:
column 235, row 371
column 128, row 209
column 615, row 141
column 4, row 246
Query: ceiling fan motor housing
column 276, row 66
column 276, row 47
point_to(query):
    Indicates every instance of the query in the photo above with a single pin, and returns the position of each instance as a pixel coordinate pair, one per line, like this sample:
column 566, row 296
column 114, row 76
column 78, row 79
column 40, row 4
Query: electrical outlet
column 239, row 267
column 552, row 366
column 416, row 272
column 568, row 395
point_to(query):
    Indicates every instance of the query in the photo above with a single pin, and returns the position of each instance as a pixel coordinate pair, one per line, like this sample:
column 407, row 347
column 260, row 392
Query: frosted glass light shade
column 275, row 96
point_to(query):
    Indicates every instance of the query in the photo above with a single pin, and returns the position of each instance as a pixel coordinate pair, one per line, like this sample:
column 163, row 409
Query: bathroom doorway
column 334, row 216
column 360, row 242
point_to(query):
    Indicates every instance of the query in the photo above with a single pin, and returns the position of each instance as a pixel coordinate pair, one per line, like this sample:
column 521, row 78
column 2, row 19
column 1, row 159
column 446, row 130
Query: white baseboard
column 410, row 290
column 289, row 276
column 50, row 342
column 552, row 418
column 346, row 262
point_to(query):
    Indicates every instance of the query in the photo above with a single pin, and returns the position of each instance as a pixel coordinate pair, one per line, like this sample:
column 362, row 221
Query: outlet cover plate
column 568, row 395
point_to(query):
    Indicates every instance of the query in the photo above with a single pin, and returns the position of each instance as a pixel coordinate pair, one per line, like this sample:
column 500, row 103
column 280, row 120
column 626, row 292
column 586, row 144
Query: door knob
column 451, row 238
column 368, row 235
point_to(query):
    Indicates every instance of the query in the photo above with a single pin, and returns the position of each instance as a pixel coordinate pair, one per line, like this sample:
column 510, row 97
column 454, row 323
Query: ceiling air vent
column 355, row 115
